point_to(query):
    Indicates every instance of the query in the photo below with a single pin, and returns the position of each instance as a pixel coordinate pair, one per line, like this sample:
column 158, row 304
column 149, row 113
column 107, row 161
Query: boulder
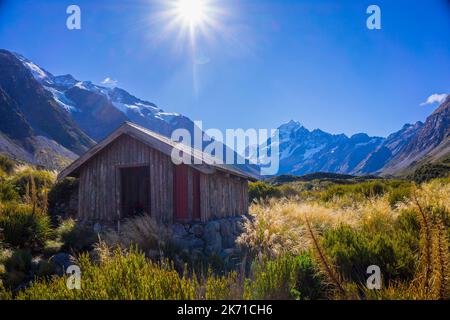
column 226, row 234
column 212, row 237
column 197, row 230
column 194, row 243
column 238, row 226
column 179, row 230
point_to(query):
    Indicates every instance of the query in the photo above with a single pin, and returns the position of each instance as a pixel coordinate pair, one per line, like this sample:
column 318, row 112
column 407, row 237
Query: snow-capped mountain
column 33, row 126
column 107, row 107
column 303, row 151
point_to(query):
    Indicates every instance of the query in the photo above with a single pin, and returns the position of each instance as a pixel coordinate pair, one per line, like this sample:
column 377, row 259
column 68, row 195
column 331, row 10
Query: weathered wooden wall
column 221, row 194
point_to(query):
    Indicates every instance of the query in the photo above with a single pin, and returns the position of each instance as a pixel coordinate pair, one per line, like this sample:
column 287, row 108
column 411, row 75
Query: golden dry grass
column 291, row 226
column 141, row 231
column 278, row 225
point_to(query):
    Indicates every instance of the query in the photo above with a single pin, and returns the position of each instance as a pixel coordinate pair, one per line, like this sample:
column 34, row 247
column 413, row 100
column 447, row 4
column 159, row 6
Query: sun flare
column 192, row 23
column 192, row 12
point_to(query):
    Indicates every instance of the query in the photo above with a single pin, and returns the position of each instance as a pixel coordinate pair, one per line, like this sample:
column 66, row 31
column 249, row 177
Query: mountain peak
column 291, row 125
column 318, row 132
column 65, row 80
column 360, row 137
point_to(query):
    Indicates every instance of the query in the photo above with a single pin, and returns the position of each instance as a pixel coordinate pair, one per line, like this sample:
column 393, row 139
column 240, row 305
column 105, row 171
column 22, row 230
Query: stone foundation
column 215, row 237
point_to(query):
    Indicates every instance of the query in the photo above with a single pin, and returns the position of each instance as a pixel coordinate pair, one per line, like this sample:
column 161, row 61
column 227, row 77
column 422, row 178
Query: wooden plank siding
column 221, row 194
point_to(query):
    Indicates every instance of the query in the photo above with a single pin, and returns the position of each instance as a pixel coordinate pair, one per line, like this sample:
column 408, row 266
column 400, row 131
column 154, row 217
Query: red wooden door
column 181, row 196
column 180, row 192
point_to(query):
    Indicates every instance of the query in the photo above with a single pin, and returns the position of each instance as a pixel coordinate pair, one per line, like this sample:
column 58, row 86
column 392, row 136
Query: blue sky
column 261, row 64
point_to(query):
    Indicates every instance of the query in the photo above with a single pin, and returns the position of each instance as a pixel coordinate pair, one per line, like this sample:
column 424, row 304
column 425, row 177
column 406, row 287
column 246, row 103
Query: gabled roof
column 160, row 143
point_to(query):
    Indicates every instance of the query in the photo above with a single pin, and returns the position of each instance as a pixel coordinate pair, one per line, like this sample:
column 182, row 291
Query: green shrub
column 8, row 192
column 121, row 276
column 18, row 267
column 76, row 237
column 22, row 228
column 349, row 250
column 334, row 191
column 431, row 171
column 46, row 269
column 407, row 233
column 6, row 164
column 352, row 251
column 357, row 191
column 128, row 275
column 309, row 281
column 20, row 260
column 5, row 294
column 395, row 245
column 286, row 277
column 372, row 189
column 61, row 193
column 287, row 191
column 65, row 227
column 384, row 253
column 222, row 287
column 3, row 176
column 399, row 194
column 260, row 190
column 23, row 180
column 398, row 190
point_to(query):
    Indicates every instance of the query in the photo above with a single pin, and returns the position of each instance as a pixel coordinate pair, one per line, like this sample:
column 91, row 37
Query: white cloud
column 109, row 82
column 435, row 98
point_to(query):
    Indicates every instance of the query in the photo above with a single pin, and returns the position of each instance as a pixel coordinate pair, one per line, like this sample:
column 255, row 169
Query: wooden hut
column 131, row 172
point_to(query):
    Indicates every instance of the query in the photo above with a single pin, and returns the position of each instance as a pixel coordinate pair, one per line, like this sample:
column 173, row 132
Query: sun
column 191, row 12
column 192, row 22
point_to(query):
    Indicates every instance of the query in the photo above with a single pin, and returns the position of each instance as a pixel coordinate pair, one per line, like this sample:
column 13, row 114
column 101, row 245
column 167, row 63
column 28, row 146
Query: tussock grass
column 382, row 234
column 144, row 232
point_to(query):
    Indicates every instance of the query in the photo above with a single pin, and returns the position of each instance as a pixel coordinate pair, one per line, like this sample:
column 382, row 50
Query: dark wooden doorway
column 135, row 191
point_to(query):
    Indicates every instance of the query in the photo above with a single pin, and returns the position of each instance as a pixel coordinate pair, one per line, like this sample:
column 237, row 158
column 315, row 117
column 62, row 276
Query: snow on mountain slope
column 33, row 126
column 61, row 99
column 38, row 73
column 134, row 109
